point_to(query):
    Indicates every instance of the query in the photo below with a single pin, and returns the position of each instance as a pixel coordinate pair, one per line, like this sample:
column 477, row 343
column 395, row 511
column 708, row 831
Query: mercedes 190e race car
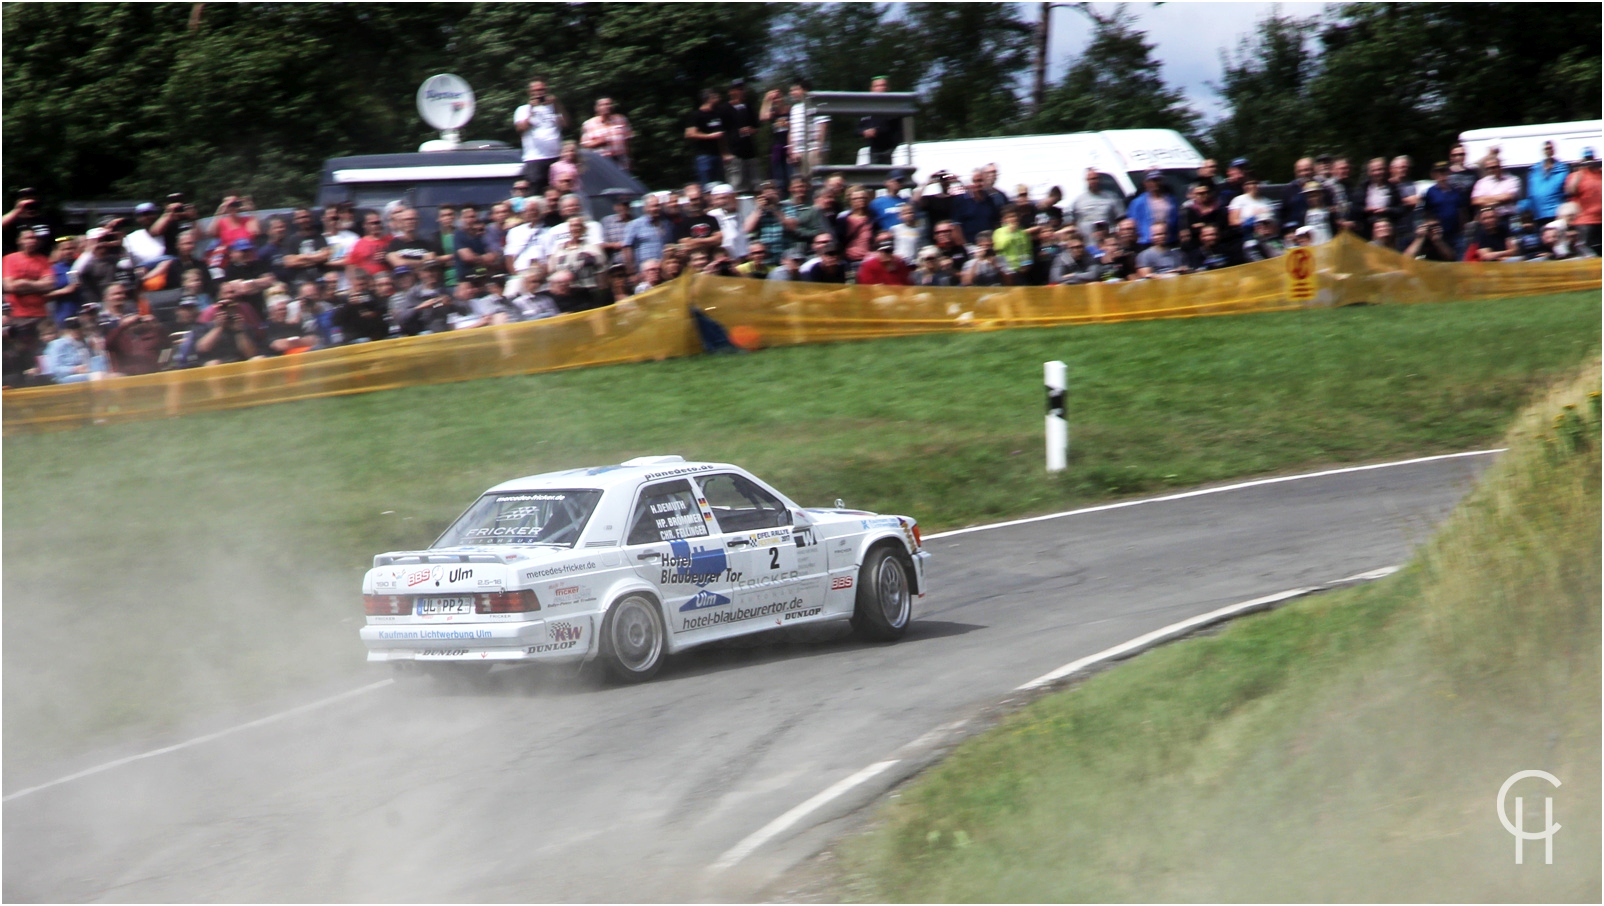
column 632, row 562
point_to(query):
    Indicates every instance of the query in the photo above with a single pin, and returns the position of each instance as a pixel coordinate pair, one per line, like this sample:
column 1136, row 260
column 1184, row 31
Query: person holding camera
column 540, row 123
column 235, row 220
column 230, row 335
column 1430, row 243
column 136, row 344
column 26, row 214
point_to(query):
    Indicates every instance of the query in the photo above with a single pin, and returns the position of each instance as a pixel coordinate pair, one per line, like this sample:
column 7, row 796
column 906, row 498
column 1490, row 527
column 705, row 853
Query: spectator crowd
column 167, row 289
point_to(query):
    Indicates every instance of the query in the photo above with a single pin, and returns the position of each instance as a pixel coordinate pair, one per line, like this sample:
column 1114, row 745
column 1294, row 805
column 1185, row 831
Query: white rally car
column 632, row 562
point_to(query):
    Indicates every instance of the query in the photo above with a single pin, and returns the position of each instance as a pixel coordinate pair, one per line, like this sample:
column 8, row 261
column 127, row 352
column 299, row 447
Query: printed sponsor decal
column 503, row 531
column 553, row 646
column 457, row 575
column 564, row 632
column 555, row 498
column 767, row 581
column 801, row 614
column 704, row 599
column 840, row 582
column 699, row 566
column 804, row 538
column 565, row 569
column 417, row 577
column 739, row 614
column 443, row 652
column 434, row 634
column 487, row 583
column 685, row 470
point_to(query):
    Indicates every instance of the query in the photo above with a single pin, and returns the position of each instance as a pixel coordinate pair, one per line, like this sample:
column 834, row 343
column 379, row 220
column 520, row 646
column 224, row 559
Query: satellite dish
column 445, row 102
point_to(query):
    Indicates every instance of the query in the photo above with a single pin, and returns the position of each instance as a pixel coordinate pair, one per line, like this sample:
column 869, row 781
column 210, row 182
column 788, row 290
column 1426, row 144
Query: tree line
column 136, row 100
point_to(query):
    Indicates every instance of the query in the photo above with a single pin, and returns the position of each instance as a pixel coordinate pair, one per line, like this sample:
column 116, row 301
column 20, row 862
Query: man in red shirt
column 27, row 276
column 1583, row 187
column 883, row 267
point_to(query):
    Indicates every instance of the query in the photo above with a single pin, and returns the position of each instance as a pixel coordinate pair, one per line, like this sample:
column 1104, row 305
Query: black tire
column 633, row 640
column 885, row 596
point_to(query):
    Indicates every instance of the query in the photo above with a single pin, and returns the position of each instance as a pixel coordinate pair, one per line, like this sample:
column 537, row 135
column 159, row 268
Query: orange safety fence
column 656, row 325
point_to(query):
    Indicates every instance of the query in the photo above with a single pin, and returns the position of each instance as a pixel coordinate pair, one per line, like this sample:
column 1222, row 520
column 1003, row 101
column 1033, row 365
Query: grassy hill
column 1347, row 748
column 160, row 571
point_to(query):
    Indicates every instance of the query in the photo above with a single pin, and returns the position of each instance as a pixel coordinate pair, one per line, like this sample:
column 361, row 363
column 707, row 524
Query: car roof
column 630, row 473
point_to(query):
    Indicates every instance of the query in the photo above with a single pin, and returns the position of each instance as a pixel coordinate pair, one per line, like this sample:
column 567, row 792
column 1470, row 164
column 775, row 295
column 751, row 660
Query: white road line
column 1174, row 630
column 783, row 823
column 261, row 721
column 788, row 820
column 1258, row 482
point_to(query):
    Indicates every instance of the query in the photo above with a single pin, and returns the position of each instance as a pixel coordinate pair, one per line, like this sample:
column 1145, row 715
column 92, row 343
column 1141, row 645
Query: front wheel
column 885, row 604
column 632, row 639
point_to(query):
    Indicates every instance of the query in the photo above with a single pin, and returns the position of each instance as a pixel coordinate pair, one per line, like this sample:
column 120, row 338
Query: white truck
column 1043, row 161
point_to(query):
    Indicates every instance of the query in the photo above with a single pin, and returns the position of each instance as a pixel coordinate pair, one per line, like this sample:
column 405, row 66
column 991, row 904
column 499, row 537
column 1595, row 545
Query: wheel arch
column 897, row 545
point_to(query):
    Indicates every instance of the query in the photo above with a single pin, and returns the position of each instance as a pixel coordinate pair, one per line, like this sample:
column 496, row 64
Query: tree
column 1114, row 84
column 978, row 53
column 1269, row 118
column 651, row 59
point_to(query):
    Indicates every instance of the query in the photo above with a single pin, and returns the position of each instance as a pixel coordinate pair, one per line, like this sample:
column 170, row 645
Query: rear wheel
column 885, row 601
column 633, row 639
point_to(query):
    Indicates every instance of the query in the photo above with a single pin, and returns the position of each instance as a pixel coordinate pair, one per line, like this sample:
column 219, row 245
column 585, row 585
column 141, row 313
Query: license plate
column 453, row 604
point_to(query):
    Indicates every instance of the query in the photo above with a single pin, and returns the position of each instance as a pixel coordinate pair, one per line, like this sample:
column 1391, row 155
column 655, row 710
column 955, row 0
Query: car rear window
column 523, row 517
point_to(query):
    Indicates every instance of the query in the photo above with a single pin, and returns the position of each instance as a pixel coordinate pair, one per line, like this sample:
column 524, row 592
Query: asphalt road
column 553, row 788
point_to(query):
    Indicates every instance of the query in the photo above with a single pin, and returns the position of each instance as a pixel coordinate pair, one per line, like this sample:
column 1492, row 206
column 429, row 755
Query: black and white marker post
column 1057, row 427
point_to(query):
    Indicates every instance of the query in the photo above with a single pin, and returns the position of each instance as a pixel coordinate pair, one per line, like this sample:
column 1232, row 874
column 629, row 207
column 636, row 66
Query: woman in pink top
column 235, row 221
column 566, row 166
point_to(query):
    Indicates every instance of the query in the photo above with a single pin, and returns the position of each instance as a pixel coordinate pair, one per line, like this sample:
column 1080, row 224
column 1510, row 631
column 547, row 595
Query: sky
column 1189, row 37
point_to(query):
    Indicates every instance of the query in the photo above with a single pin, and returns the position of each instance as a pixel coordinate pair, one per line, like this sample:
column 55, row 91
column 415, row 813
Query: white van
column 1043, row 161
column 1521, row 147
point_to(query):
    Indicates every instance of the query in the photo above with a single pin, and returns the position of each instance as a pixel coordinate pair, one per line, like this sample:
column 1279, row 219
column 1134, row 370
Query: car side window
column 667, row 511
column 741, row 506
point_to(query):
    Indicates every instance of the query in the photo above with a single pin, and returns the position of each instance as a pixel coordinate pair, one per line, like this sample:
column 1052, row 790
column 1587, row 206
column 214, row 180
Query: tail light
column 386, row 605
column 506, row 602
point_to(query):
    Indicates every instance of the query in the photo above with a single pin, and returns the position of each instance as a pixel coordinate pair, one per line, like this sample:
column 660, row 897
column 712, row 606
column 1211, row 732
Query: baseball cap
column 722, row 188
column 242, row 245
column 95, row 233
column 400, row 269
column 1312, row 185
column 885, row 247
column 1303, row 231
column 1440, row 166
column 1587, row 154
column 145, row 207
column 1240, row 163
column 1154, row 174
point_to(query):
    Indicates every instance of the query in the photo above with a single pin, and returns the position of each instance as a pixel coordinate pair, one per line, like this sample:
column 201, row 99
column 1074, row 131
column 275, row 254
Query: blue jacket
column 1141, row 211
column 1546, row 192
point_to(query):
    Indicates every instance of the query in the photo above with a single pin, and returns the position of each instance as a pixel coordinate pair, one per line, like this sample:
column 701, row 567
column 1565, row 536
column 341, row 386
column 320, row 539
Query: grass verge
column 160, row 570
column 1349, row 747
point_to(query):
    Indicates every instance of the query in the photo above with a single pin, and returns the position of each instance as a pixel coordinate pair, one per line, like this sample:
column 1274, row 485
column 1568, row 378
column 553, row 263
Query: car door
column 672, row 545
column 762, row 549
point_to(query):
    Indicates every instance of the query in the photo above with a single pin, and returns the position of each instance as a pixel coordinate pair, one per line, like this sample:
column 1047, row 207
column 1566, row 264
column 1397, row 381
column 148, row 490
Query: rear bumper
column 566, row 639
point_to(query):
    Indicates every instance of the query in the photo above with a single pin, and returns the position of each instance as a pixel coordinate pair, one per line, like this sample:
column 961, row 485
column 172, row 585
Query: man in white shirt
column 727, row 211
column 808, row 146
column 523, row 242
column 144, row 247
column 540, row 123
